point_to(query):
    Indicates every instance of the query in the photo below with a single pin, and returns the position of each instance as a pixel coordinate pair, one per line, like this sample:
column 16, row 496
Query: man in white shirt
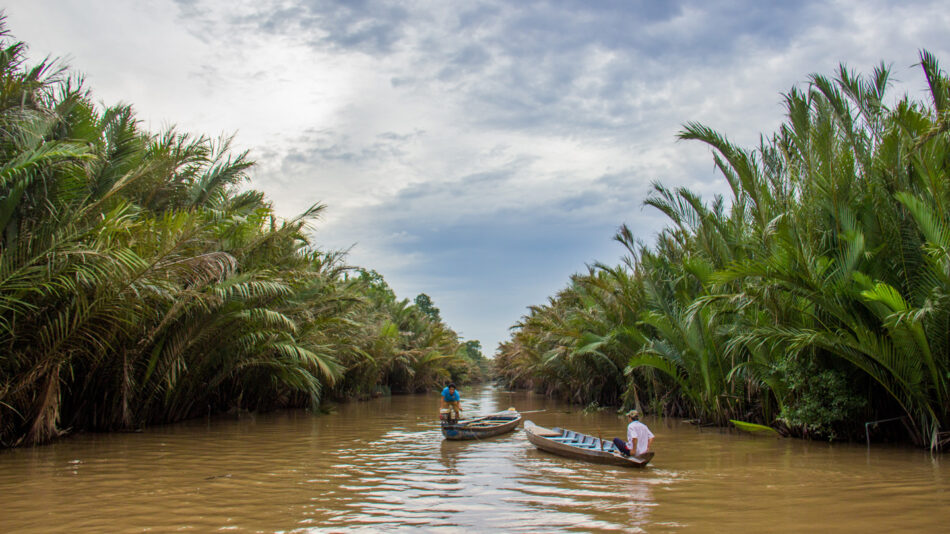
column 639, row 437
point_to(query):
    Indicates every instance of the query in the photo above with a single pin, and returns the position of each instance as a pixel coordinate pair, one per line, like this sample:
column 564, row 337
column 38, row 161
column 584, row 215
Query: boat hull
column 482, row 427
column 571, row 445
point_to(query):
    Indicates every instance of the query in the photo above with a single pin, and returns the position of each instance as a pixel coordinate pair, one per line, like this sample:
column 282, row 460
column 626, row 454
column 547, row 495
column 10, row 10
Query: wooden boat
column 481, row 427
column 581, row 446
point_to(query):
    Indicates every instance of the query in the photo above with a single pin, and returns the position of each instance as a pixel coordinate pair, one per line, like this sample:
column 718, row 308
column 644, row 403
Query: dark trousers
column 621, row 446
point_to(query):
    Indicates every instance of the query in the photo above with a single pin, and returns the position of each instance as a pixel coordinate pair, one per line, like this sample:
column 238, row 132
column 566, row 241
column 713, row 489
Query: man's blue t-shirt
column 450, row 397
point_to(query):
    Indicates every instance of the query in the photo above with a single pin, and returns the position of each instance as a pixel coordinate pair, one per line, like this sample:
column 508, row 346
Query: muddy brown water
column 382, row 465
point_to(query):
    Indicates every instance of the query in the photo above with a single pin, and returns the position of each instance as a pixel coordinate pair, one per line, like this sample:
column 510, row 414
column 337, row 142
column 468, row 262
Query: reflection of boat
column 450, row 453
column 481, row 427
column 581, row 446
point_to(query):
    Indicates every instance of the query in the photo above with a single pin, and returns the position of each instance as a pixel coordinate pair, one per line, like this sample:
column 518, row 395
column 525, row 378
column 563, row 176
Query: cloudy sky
column 477, row 151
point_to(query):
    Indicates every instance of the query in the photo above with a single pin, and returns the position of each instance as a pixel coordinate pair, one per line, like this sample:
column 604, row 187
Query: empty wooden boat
column 581, row 446
column 481, row 427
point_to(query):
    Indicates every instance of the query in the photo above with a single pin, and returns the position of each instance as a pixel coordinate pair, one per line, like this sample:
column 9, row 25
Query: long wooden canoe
column 482, row 427
column 581, row 446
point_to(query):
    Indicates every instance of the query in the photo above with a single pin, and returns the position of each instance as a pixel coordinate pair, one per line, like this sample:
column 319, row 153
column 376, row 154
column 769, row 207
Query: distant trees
column 424, row 303
column 815, row 299
column 476, row 367
column 140, row 282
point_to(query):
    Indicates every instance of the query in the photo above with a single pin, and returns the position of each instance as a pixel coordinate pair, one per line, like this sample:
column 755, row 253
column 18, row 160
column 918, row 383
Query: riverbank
column 144, row 282
column 812, row 296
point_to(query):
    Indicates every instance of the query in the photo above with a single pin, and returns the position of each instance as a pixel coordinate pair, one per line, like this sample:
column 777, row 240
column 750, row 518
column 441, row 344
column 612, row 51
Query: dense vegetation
column 815, row 299
column 139, row 283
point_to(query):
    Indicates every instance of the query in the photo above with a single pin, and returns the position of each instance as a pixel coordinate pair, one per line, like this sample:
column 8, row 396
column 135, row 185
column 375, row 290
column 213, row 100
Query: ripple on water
column 383, row 466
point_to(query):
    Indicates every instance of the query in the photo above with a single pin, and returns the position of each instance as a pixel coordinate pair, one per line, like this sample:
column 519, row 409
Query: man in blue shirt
column 451, row 400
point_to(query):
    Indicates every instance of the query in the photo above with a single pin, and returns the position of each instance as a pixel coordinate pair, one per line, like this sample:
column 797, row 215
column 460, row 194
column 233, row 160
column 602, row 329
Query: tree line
column 142, row 281
column 814, row 298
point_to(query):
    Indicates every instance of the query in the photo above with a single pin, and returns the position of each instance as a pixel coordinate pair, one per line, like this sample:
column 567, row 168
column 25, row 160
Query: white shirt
column 638, row 430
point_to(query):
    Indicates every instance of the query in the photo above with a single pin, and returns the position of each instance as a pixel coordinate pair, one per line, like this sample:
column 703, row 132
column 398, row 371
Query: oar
column 470, row 421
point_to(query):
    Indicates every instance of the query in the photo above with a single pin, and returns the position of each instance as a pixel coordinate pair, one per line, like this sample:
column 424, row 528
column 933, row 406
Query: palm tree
column 140, row 283
column 828, row 262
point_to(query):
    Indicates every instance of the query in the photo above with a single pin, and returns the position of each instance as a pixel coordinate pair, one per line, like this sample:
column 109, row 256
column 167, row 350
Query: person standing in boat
column 451, row 400
column 639, row 437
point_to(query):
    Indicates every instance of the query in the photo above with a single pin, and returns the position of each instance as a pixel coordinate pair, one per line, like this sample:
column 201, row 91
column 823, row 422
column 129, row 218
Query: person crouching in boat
column 639, row 437
column 451, row 402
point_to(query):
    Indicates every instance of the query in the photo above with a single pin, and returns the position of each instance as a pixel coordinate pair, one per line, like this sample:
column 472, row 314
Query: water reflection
column 449, row 455
column 383, row 465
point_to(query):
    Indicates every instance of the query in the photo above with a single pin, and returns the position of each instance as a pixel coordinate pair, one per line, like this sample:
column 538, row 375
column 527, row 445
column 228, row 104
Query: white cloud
column 478, row 151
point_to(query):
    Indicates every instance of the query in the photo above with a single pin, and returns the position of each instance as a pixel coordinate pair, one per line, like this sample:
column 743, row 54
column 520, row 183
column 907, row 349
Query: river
column 382, row 465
